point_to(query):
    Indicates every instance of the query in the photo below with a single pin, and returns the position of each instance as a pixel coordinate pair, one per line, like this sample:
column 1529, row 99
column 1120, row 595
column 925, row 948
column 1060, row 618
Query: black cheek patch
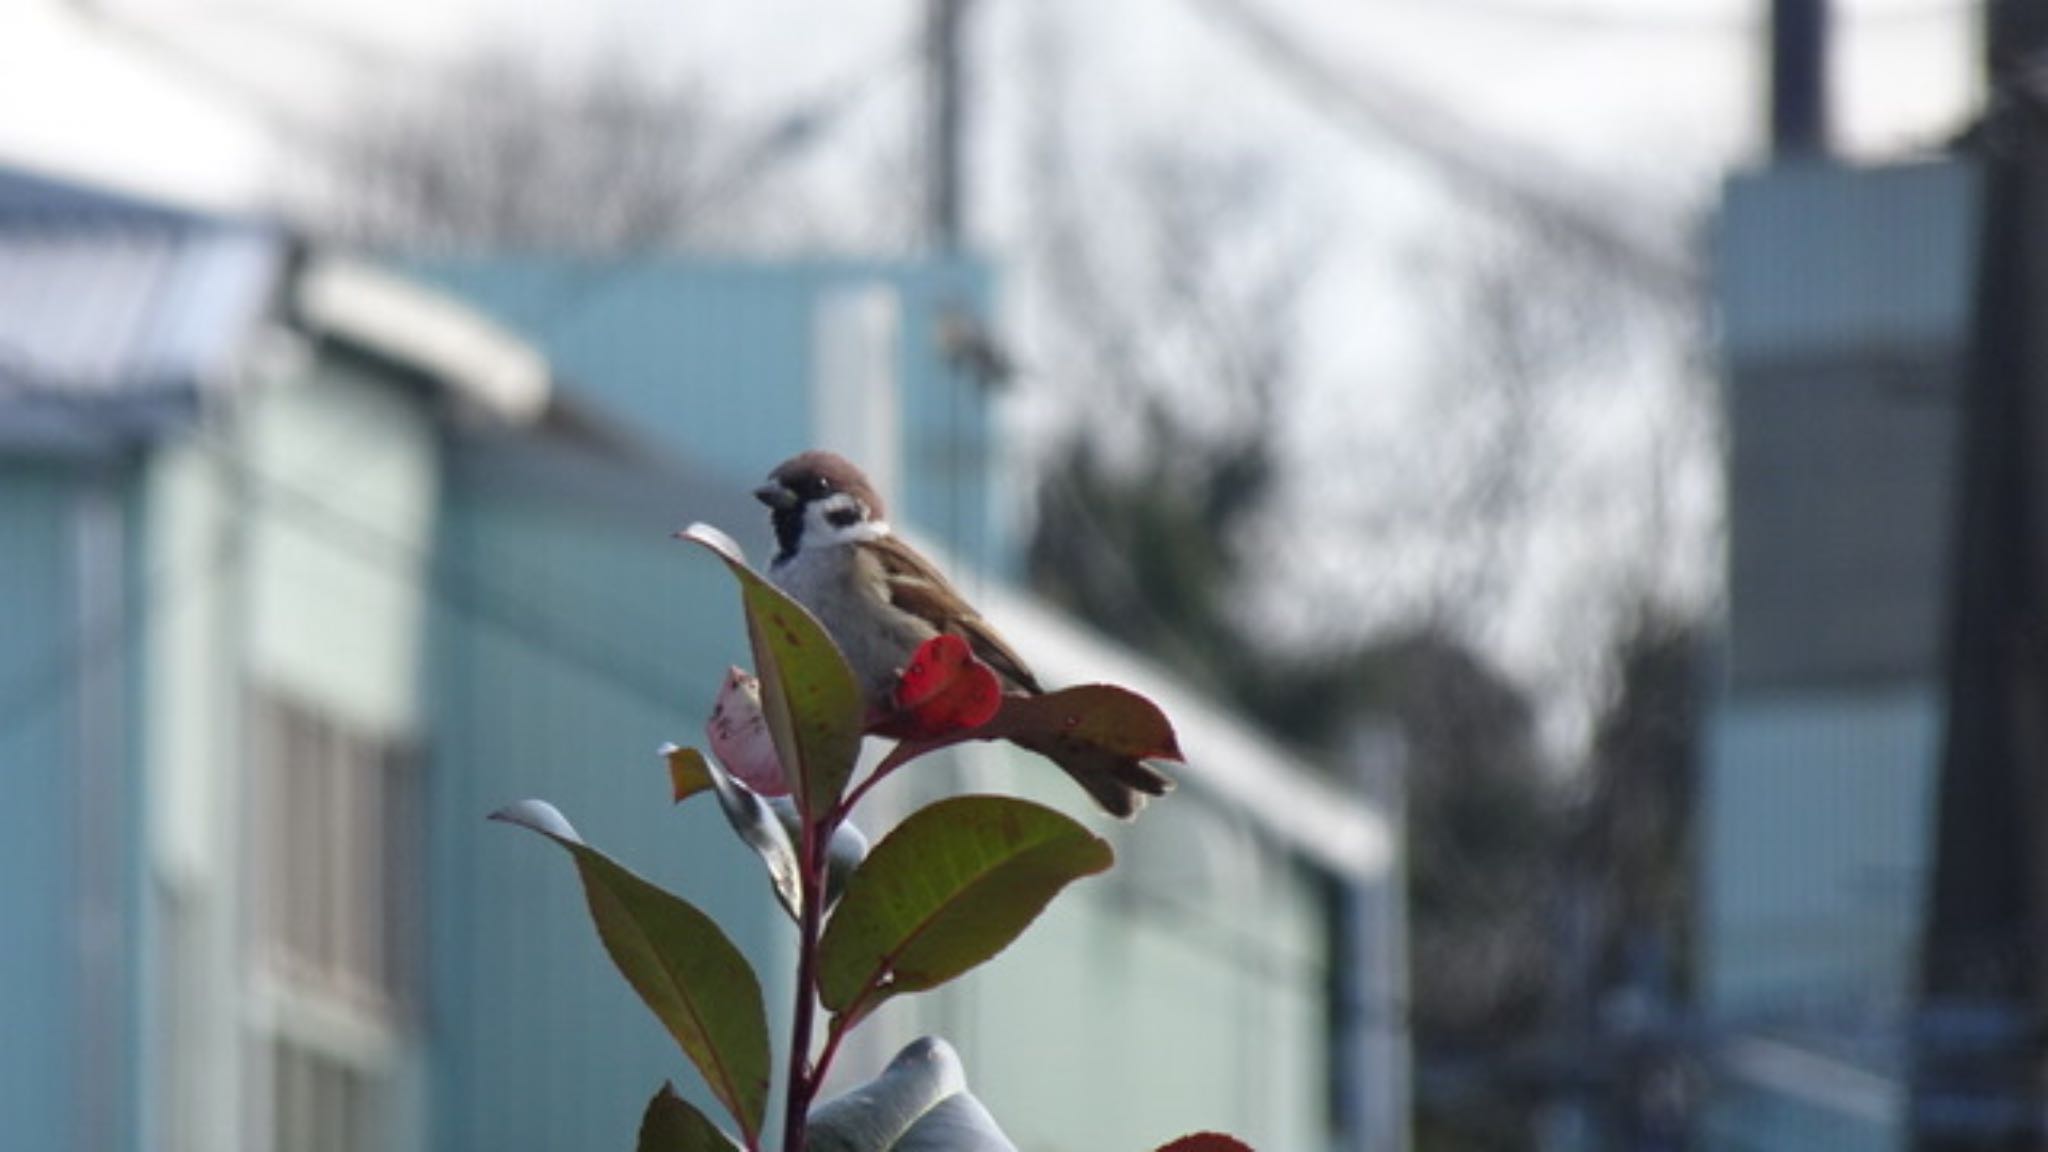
column 843, row 517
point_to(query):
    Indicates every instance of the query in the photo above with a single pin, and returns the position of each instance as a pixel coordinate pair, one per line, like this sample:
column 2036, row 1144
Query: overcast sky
column 1627, row 86
column 1636, row 104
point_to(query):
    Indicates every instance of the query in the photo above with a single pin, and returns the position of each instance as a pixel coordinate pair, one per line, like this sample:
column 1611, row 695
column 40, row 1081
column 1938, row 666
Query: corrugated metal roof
column 26, row 196
column 104, row 307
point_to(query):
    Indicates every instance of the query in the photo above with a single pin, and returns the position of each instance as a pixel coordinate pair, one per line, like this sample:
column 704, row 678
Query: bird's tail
column 1120, row 785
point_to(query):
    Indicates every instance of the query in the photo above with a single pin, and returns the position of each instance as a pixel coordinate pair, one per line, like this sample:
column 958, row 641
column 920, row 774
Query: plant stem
column 802, row 1081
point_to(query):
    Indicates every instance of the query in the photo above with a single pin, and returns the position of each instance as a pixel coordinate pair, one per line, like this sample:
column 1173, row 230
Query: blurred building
column 1846, row 303
column 1232, row 973
column 310, row 566
column 221, row 483
column 736, row 364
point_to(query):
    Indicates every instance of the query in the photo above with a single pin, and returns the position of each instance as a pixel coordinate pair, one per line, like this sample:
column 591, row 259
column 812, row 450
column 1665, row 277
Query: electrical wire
column 1375, row 111
column 785, row 137
column 1565, row 17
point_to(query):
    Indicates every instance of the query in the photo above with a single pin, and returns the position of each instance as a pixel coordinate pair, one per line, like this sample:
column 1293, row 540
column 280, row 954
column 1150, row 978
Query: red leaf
column 1115, row 720
column 945, row 690
column 1207, row 1142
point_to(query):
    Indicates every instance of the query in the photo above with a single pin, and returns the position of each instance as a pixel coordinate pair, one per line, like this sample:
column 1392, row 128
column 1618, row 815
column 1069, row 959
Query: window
column 338, row 877
column 321, row 1103
column 341, row 831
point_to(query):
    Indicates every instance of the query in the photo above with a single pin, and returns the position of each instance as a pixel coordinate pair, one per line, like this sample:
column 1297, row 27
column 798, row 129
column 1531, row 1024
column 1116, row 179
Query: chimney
column 1799, row 80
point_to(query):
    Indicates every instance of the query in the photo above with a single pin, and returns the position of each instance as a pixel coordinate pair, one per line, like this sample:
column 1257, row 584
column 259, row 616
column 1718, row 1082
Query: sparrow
column 880, row 599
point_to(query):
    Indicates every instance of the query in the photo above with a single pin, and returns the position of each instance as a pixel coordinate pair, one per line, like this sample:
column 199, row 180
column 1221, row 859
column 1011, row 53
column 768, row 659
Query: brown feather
column 918, row 588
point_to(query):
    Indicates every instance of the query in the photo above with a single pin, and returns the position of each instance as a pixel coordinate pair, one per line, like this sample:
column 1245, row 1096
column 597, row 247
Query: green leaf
column 672, row 1124
column 680, row 963
column 920, row 1103
column 808, row 692
column 952, row 886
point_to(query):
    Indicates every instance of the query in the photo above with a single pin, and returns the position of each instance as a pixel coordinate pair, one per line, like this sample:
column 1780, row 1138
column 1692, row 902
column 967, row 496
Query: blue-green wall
column 572, row 638
column 714, row 360
column 38, row 933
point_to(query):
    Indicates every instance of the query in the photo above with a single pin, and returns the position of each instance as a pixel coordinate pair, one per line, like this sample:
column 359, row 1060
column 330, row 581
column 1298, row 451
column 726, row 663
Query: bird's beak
column 775, row 496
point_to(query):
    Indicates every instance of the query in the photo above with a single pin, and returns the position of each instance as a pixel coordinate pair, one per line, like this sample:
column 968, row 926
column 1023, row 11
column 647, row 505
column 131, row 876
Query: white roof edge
column 1226, row 758
column 416, row 325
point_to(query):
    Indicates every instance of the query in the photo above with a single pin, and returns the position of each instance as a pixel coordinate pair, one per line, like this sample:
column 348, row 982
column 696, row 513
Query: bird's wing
column 916, row 587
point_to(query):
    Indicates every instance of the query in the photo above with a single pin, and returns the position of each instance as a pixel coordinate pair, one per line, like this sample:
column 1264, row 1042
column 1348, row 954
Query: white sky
column 1658, row 98
column 1625, row 96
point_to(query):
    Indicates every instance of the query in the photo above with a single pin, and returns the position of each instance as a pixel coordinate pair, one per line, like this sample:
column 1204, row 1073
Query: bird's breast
column 848, row 594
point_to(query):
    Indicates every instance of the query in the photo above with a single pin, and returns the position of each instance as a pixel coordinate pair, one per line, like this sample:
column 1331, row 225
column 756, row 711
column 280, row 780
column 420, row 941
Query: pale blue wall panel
column 1819, row 814
column 575, row 637
column 714, row 360
column 38, row 935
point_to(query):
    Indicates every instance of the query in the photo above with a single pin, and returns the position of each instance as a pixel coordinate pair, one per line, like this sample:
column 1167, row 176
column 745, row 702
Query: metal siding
column 575, row 639
column 1818, row 825
column 714, row 361
column 38, row 947
column 1844, row 297
column 949, row 451
column 366, row 446
column 1821, row 258
column 1841, row 487
column 106, row 308
column 1746, row 1119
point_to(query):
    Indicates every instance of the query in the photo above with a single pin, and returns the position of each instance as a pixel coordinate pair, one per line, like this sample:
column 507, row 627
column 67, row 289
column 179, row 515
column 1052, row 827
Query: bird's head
column 817, row 499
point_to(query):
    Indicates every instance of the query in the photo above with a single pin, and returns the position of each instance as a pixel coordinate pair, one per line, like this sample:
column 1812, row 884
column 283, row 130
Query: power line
column 1375, row 110
column 1565, row 17
column 781, row 139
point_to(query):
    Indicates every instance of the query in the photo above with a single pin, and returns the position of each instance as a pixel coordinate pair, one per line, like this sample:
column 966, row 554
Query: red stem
column 845, row 808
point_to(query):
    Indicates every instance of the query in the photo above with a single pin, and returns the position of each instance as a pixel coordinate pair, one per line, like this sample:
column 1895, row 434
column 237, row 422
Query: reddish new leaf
column 945, row 690
column 738, row 734
column 1099, row 716
column 1104, row 717
column 1207, row 1142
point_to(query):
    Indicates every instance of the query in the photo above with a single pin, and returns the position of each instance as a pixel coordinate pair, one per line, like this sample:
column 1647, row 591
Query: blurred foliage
column 1539, row 892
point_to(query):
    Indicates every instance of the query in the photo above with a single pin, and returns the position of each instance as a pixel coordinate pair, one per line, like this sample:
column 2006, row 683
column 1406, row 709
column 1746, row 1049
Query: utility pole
column 1979, row 1046
column 946, row 130
column 1799, row 77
